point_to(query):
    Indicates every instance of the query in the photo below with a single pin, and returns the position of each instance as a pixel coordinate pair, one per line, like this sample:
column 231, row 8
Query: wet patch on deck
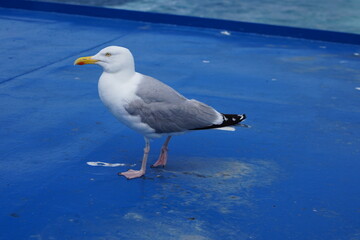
column 192, row 198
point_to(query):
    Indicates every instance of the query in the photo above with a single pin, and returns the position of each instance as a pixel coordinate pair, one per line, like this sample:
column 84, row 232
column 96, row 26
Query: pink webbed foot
column 130, row 174
column 162, row 159
column 164, row 154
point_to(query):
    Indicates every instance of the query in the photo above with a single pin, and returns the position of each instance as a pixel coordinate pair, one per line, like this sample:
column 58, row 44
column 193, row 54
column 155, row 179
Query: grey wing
column 166, row 117
column 166, row 110
column 151, row 90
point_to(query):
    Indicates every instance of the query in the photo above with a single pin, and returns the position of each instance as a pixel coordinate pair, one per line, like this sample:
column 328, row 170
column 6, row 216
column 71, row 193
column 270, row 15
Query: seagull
column 149, row 106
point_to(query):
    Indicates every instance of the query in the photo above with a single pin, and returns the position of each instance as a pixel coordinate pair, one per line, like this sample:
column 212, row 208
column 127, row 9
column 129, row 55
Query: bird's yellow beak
column 85, row 60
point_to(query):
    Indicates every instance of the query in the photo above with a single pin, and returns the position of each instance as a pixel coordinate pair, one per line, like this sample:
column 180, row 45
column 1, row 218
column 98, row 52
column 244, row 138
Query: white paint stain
column 133, row 216
column 357, row 88
column 227, row 33
column 104, row 164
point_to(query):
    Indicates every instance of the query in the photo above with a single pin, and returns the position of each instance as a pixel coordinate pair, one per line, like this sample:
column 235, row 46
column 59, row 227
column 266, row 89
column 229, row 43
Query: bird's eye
column 108, row 54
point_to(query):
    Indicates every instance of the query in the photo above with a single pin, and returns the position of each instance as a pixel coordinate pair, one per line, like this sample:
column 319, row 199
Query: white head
column 112, row 59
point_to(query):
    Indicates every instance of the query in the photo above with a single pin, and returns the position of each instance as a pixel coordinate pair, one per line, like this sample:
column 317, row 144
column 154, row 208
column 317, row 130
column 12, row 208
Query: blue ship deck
column 293, row 175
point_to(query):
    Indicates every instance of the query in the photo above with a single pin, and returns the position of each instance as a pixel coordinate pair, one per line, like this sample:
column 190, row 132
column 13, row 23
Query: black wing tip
column 233, row 119
column 228, row 120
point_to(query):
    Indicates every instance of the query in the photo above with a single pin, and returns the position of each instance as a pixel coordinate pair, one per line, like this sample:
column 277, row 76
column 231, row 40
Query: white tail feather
column 226, row 129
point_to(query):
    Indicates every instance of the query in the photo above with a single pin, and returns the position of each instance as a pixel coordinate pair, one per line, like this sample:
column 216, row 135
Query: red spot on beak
column 80, row 63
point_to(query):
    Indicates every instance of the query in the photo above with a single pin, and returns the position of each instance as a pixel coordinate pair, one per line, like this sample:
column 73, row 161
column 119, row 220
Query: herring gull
column 149, row 106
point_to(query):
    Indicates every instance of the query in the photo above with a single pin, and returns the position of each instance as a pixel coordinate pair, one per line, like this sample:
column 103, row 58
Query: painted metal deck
column 293, row 175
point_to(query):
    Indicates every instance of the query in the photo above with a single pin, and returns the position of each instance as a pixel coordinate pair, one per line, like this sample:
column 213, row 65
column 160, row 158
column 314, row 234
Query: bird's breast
column 116, row 94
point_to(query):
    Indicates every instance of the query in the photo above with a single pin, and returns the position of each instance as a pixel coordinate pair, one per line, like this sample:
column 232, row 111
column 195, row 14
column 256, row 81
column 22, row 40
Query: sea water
column 335, row 15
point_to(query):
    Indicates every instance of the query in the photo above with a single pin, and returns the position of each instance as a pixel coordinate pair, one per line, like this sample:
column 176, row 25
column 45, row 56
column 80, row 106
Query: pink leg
column 163, row 155
column 130, row 174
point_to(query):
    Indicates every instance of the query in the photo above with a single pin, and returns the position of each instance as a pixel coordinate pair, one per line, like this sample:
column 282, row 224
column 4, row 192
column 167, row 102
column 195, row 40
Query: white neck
column 122, row 76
